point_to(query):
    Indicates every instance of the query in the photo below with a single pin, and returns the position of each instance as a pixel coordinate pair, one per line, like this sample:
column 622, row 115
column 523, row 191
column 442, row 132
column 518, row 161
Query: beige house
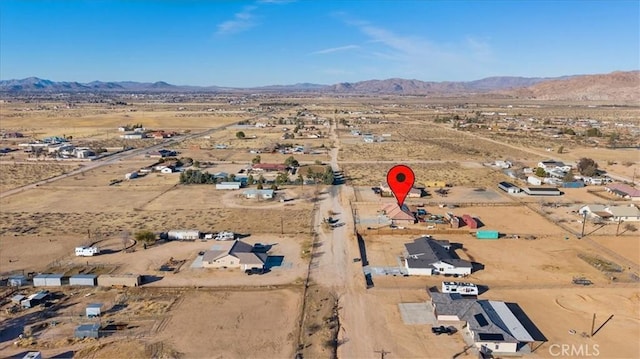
column 239, row 255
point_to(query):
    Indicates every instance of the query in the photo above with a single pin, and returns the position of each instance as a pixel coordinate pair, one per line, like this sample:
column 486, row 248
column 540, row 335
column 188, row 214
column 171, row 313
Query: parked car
column 254, row 271
column 443, row 330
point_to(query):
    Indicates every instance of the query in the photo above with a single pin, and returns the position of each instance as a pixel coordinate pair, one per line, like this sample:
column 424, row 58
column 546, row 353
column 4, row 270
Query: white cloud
column 241, row 21
column 335, row 49
column 409, row 55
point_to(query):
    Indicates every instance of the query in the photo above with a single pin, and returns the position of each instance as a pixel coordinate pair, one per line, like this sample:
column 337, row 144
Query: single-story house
column 494, row 327
column 229, row 185
column 398, row 215
column 259, row 193
column 629, row 213
column 239, row 255
column 624, row 191
column 549, row 164
column 426, row 256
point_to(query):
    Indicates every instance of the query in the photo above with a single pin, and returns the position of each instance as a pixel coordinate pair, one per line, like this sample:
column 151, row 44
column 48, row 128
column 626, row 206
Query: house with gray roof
column 615, row 213
column 493, row 327
column 427, row 256
column 239, row 255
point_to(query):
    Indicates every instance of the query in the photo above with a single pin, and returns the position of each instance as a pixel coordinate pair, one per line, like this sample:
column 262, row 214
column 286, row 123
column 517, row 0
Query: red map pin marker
column 400, row 179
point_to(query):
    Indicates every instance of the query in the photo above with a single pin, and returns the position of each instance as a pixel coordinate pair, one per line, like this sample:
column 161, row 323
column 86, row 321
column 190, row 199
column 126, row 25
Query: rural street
column 335, row 269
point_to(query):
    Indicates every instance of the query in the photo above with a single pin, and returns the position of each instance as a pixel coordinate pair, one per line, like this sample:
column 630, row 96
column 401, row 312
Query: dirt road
column 361, row 327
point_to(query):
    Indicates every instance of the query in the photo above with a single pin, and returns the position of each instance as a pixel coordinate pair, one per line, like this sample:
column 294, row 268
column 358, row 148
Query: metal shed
column 17, row 280
column 487, row 234
column 84, row 279
column 17, row 298
column 93, row 310
column 47, row 280
column 88, row 331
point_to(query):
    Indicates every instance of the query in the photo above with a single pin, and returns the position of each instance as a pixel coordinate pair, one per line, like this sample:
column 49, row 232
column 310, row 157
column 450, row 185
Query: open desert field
column 452, row 172
column 20, row 174
column 238, row 324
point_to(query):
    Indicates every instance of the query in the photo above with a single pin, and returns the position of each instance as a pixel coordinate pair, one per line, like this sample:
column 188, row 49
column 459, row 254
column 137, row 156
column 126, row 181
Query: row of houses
column 91, row 280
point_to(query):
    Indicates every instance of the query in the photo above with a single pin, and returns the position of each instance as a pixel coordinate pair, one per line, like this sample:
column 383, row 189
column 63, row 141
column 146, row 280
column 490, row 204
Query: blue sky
column 255, row 43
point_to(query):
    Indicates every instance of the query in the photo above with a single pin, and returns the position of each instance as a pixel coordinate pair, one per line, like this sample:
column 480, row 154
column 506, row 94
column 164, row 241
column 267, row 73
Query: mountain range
column 621, row 86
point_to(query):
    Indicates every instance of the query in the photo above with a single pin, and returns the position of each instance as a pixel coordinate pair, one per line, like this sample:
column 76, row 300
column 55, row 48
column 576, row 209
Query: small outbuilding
column 90, row 280
column 17, row 280
column 88, row 331
column 18, row 298
column 509, row 187
column 47, row 280
column 93, row 310
column 487, row 234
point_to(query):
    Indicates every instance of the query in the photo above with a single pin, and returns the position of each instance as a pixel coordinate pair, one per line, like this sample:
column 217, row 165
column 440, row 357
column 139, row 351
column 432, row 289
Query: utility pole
column 593, row 325
column 618, row 227
column 382, row 353
column 584, row 221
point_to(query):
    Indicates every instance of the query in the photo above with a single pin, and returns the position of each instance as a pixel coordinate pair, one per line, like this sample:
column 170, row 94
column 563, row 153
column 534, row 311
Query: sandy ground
column 239, row 324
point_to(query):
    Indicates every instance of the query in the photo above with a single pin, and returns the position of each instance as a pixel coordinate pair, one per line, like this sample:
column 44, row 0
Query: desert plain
column 316, row 303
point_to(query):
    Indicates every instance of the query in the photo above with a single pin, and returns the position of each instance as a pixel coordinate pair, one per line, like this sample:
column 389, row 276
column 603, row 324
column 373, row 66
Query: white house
column 550, row 164
column 427, row 256
column 166, row 170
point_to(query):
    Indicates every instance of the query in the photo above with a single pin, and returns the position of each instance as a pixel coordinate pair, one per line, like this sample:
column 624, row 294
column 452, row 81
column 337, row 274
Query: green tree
column 282, row 178
column 561, row 149
column 540, row 172
column 327, row 177
column 587, row 167
column 250, row 180
column 274, row 187
column 240, row 135
column 259, row 186
column 569, row 131
column 256, row 159
column 291, row 162
column 594, row 132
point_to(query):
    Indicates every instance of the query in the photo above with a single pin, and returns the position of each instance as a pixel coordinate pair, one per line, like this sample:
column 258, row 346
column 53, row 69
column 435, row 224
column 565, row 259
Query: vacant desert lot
column 20, row 174
column 236, row 324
